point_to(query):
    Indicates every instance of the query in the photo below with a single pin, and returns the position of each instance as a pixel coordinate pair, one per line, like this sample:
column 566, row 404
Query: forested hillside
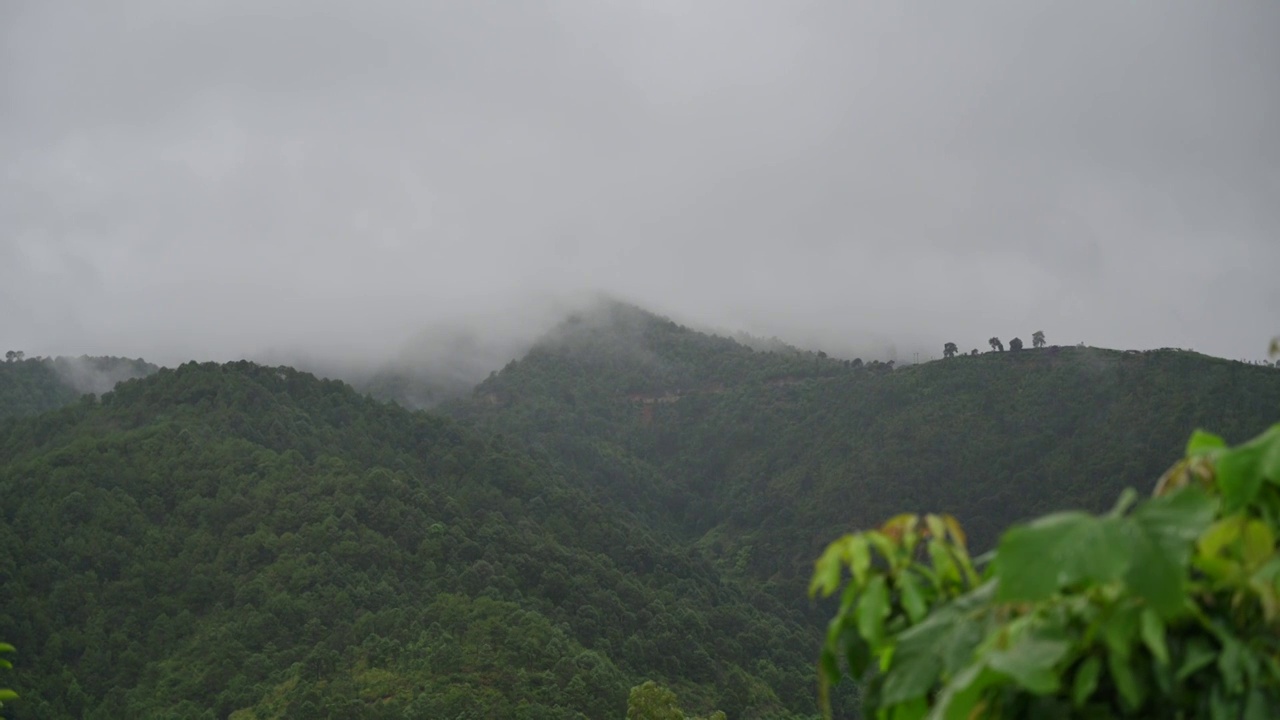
column 243, row 541
column 761, row 457
column 33, row 385
column 631, row 501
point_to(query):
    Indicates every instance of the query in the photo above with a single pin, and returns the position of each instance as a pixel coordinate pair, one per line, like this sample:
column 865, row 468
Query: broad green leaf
column 858, row 654
column 830, row 666
column 912, row 599
column 1220, row 534
column 1231, row 664
column 826, row 570
column 957, row 532
column 1204, row 443
column 957, row 647
column 1152, row 629
column 1036, row 560
column 914, row 709
column 1086, row 680
column 961, row 698
column 944, row 564
column 858, row 553
column 1120, row 629
column 916, row 664
column 1131, row 689
column 1030, row 660
column 1176, row 520
column 1239, row 474
column 873, row 608
column 1259, row 543
column 1155, row 576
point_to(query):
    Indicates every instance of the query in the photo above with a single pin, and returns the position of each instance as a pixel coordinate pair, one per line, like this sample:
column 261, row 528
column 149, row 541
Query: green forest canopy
column 632, row 501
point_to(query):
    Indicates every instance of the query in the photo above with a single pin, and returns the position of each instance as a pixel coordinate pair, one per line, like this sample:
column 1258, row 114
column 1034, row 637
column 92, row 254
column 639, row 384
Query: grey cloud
column 216, row 179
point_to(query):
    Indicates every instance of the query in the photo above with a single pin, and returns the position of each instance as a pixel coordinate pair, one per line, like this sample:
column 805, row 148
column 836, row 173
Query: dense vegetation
column 1165, row 608
column 33, row 385
column 761, row 457
column 625, row 515
column 251, row 541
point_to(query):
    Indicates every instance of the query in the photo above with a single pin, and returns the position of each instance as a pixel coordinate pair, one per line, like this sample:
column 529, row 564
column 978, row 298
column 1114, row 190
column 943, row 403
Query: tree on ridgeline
column 1037, row 339
column 1015, row 344
column 996, row 344
column 949, row 350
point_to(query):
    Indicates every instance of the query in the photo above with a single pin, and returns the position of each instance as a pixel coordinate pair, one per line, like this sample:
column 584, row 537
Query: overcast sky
column 213, row 179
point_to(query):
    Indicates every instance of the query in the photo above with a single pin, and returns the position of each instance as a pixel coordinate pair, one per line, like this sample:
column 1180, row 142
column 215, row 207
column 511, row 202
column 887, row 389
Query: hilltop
column 33, row 385
column 761, row 457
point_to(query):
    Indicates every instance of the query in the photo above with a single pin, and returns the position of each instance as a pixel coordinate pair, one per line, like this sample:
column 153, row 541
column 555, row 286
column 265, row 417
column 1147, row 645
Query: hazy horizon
column 350, row 182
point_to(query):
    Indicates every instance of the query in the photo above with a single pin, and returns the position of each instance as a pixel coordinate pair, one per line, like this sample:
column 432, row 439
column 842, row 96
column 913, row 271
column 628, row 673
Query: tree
column 9, row 356
column 974, row 351
column 652, row 701
column 996, row 344
column 950, row 350
column 1037, row 338
column 1015, row 344
column 1166, row 607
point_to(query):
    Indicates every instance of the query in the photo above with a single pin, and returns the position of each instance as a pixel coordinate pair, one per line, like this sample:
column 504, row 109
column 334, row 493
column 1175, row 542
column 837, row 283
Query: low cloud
column 332, row 180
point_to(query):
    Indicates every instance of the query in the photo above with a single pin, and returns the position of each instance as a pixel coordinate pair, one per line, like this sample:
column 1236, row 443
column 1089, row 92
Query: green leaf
column 1152, row 630
column 1204, row 443
column 1231, row 664
column 1199, row 654
column 1120, row 629
column 830, row 666
column 1239, row 475
column 7, row 694
column 1036, row 560
column 1259, row 543
column 873, row 609
column 1131, row 689
column 960, row 698
column 1156, row 576
column 912, row 599
column 916, row 664
column 1086, row 680
column 826, row 570
column 1176, row 520
column 858, row 553
column 1220, row 534
column 1031, row 659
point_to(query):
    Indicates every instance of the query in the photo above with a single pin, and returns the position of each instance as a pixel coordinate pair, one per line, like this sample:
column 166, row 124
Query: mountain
column 34, row 385
column 630, row 500
column 760, row 458
column 251, row 542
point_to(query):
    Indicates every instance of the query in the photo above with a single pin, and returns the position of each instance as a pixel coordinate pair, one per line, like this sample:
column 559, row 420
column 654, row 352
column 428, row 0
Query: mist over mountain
column 516, row 359
column 781, row 170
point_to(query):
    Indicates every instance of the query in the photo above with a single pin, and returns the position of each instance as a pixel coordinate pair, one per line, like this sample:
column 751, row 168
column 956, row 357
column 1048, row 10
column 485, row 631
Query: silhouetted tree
column 1037, row 338
column 975, row 351
column 1015, row 344
column 950, row 350
column 996, row 344
column 8, row 356
column 857, row 362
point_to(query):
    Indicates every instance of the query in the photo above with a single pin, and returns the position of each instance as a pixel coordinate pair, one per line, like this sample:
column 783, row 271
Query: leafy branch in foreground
column 5, row 693
column 1165, row 607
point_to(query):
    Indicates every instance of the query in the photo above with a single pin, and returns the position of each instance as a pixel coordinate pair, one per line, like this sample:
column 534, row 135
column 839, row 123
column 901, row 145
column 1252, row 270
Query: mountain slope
column 238, row 540
column 761, row 458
